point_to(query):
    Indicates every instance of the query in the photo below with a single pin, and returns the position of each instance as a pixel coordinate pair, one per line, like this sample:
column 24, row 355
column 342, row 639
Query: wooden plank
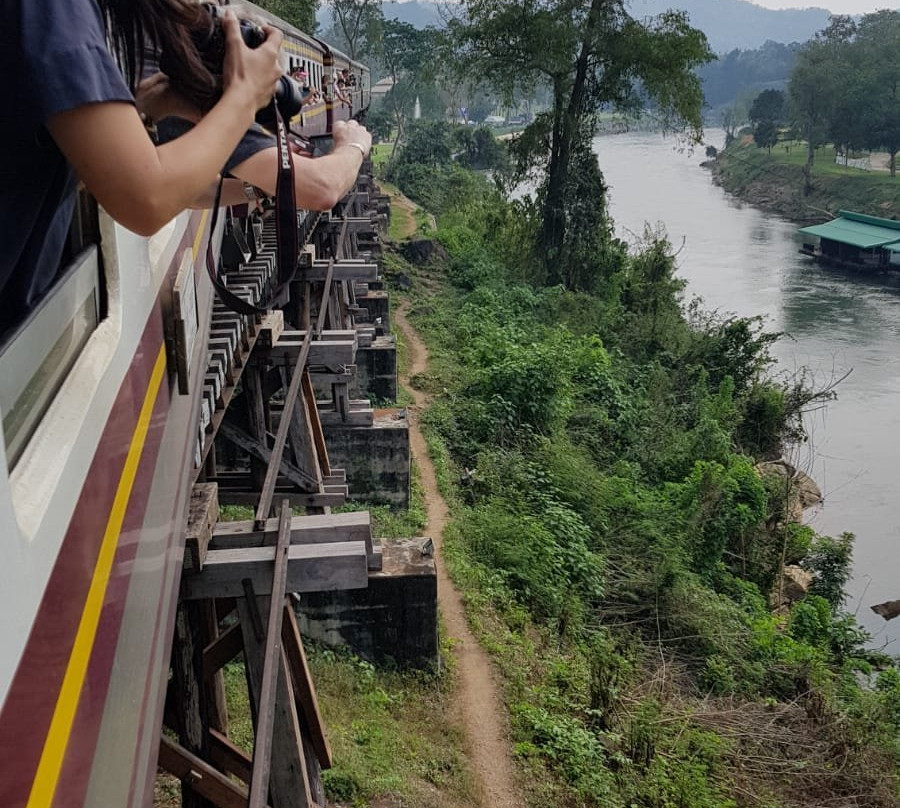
column 238, row 495
column 229, row 758
column 326, row 297
column 271, row 667
column 268, row 487
column 352, row 526
column 216, row 706
column 203, row 514
column 333, row 354
column 343, row 271
column 271, row 328
column 187, row 691
column 289, row 784
column 315, row 424
column 301, row 442
column 203, row 778
column 304, row 687
column 311, row 568
column 297, row 476
column 221, row 651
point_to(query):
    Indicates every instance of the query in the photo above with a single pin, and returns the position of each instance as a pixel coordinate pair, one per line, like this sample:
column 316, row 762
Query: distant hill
column 728, row 24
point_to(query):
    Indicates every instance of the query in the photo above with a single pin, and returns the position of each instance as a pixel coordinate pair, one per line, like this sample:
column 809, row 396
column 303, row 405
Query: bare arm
column 233, row 193
column 143, row 186
column 321, row 182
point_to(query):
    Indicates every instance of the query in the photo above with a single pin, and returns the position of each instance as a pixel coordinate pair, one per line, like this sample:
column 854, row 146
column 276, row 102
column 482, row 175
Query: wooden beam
column 304, row 687
column 229, row 758
column 326, row 297
column 256, row 449
column 268, row 487
column 315, row 425
column 333, row 354
column 311, row 568
column 222, row 650
column 289, row 783
column 202, row 516
column 237, row 495
column 203, row 778
column 216, row 705
column 271, row 666
column 353, row 526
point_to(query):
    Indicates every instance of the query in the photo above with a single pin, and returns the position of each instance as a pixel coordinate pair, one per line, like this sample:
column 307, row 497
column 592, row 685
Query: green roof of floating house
column 857, row 230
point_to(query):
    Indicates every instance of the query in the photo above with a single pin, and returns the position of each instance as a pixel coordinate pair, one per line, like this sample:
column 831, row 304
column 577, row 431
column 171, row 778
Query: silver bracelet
column 359, row 146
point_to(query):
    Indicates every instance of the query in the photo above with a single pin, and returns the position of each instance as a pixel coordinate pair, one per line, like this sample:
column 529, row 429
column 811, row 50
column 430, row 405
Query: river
column 741, row 260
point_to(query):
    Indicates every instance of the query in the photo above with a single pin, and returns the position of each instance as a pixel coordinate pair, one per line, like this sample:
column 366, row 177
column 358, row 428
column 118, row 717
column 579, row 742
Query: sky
column 835, row 6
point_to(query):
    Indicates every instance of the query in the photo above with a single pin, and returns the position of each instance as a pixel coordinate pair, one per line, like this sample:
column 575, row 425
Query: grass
column 391, row 735
column 775, row 181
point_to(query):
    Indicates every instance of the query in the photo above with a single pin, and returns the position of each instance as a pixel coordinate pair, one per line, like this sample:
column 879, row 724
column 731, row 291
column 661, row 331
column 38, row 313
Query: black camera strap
column 287, row 248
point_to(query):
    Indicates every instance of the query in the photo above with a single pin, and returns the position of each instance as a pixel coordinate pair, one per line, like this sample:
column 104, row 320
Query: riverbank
column 774, row 183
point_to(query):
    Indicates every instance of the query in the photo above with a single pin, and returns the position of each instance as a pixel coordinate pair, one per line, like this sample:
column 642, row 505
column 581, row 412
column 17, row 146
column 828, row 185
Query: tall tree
column 299, row 13
column 878, row 45
column 358, row 22
column 767, row 106
column 593, row 55
column 815, row 87
column 408, row 56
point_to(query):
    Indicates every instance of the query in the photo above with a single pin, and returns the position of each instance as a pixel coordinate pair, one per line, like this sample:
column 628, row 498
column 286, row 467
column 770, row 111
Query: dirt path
column 477, row 700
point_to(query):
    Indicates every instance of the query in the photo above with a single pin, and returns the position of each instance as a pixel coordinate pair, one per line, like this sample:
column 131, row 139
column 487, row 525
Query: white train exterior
column 96, row 465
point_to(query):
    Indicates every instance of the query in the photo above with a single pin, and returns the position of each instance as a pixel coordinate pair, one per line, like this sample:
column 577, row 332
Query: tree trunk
column 807, row 166
column 894, row 163
column 565, row 123
column 553, row 224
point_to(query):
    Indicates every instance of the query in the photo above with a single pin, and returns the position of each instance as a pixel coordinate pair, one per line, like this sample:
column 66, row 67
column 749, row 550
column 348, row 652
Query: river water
column 741, row 260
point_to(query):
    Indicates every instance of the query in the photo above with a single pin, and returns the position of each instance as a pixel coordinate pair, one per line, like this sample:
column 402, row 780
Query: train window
column 36, row 358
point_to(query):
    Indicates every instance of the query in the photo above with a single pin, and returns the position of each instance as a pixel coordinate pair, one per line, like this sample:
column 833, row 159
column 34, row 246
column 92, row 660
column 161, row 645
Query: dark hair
column 137, row 25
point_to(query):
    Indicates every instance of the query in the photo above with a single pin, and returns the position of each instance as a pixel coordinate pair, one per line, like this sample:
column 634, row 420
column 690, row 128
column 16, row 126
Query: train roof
column 295, row 32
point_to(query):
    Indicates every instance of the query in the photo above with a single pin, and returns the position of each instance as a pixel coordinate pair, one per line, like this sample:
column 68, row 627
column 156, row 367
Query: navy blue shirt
column 255, row 139
column 53, row 58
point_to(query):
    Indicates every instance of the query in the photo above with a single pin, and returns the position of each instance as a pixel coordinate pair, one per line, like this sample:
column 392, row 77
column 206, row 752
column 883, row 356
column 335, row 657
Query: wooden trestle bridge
column 271, row 382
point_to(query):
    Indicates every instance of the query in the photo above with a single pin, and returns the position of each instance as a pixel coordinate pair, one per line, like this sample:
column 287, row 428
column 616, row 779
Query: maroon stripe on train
column 29, row 706
column 28, row 709
column 76, row 770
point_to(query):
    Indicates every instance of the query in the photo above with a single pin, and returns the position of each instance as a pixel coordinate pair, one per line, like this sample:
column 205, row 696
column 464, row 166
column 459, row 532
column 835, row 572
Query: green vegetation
column 616, row 543
column 775, row 181
column 591, row 56
column 844, row 87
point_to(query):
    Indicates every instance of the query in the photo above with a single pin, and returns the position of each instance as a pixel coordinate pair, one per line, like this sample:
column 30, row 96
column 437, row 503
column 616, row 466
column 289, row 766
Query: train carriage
column 97, row 458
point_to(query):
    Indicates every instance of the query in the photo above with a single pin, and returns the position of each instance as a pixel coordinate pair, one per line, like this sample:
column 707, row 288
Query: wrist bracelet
column 359, row 146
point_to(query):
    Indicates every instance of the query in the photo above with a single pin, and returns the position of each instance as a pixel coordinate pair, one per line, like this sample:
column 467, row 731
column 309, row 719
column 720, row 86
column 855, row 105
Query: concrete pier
column 376, row 370
column 376, row 457
column 394, row 620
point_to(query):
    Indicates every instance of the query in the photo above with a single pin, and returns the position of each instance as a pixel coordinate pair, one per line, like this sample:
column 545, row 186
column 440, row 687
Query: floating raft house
column 855, row 239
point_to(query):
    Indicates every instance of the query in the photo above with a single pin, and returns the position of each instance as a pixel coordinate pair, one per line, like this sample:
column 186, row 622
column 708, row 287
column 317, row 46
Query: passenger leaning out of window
column 76, row 119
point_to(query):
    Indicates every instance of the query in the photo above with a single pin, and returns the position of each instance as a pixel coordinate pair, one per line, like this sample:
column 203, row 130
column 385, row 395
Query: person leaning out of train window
column 310, row 96
column 75, row 119
column 340, row 92
column 319, row 184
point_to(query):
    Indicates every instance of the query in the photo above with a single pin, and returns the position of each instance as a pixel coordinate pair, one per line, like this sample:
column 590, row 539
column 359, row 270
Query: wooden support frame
column 311, row 568
column 272, row 664
column 205, row 780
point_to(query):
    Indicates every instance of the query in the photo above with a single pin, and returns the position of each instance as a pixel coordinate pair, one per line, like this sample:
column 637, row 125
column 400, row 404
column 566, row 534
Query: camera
column 209, row 40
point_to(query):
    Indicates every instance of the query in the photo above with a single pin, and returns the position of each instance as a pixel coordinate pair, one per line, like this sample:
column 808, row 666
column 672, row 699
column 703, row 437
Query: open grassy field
column 774, row 181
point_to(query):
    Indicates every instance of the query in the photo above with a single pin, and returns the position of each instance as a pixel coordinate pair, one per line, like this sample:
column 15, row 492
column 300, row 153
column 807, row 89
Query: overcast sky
column 835, row 6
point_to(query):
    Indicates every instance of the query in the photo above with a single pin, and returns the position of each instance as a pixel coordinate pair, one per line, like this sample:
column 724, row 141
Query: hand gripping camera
column 209, row 41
